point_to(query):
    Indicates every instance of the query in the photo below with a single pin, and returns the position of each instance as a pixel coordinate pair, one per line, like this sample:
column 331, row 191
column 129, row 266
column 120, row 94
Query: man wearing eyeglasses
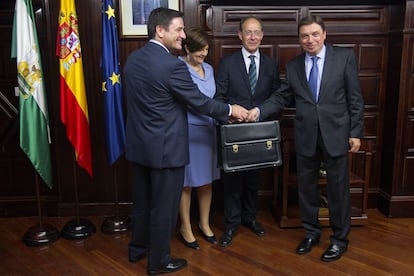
column 246, row 77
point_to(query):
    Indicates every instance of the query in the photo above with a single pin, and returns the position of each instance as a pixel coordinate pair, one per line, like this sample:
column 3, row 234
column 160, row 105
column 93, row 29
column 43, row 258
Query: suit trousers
column 337, row 192
column 240, row 195
column 156, row 198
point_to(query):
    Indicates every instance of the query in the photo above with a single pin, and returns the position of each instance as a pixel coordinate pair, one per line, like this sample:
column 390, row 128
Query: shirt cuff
column 258, row 114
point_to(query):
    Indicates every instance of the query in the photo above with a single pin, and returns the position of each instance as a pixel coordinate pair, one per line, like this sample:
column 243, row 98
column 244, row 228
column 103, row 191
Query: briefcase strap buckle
column 235, row 148
column 269, row 144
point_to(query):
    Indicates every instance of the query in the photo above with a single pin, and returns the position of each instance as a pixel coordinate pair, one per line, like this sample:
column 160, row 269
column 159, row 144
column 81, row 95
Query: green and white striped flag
column 34, row 118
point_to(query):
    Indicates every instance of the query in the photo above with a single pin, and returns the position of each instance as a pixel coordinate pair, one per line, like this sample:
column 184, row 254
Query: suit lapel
column 242, row 67
column 301, row 73
column 261, row 71
column 328, row 68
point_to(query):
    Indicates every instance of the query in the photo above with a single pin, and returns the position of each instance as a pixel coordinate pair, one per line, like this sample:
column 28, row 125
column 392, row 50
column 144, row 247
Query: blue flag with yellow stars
column 111, row 85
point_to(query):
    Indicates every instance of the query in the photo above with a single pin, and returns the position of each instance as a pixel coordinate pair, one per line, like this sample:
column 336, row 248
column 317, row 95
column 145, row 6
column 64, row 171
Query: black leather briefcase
column 247, row 146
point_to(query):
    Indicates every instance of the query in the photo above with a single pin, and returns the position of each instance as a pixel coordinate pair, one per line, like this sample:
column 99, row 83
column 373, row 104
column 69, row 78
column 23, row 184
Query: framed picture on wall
column 134, row 15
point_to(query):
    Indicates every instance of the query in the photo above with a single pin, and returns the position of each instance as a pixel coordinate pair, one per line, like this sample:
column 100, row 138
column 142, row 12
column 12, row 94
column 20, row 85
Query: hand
column 354, row 144
column 238, row 113
column 253, row 115
column 232, row 120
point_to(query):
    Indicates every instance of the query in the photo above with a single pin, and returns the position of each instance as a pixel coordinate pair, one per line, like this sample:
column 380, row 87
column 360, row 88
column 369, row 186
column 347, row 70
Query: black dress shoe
column 306, row 245
column 227, row 238
column 194, row 244
column 255, row 227
column 333, row 253
column 210, row 239
column 135, row 258
column 172, row 266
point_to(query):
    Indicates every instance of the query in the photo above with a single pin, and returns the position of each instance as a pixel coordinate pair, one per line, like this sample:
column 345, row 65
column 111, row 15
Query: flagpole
column 33, row 114
column 40, row 234
column 77, row 228
column 116, row 224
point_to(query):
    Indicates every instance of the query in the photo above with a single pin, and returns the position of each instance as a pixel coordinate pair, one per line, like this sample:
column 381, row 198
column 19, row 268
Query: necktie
column 313, row 78
column 252, row 73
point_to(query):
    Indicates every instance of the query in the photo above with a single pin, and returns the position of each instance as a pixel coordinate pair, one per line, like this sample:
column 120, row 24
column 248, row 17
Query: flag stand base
column 40, row 235
column 116, row 225
column 77, row 229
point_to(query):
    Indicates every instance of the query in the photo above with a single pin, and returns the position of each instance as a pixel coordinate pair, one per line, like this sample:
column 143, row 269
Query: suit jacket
column 159, row 91
column 233, row 85
column 339, row 110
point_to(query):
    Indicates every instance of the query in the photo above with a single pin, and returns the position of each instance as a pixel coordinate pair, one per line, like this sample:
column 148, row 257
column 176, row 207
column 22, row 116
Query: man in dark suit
column 234, row 87
column 328, row 124
column 159, row 90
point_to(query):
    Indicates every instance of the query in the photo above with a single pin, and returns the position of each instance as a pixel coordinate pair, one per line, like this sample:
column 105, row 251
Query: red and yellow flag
column 73, row 104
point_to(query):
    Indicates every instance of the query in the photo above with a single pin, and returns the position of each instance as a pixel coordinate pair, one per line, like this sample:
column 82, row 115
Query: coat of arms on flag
column 73, row 104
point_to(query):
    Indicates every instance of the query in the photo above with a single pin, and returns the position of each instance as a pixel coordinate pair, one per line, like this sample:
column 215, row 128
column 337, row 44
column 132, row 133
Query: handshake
column 240, row 114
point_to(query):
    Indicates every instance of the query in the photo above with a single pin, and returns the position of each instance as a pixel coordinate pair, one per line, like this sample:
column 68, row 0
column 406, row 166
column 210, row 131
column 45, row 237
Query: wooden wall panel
column 370, row 88
column 405, row 126
column 397, row 188
column 353, row 19
column 277, row 21
column 369, row 29
column 409, row 134
column 284, row 53
column 371, row 57
column 407, row 176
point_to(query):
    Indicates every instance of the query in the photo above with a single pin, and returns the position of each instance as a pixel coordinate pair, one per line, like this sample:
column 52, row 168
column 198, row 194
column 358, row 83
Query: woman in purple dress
column 202, row 169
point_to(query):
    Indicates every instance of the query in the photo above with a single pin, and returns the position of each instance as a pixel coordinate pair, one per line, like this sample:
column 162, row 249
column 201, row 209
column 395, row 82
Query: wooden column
column 397, row 184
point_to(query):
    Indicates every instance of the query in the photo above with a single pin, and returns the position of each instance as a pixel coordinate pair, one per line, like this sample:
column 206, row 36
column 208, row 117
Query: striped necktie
column 252, row 73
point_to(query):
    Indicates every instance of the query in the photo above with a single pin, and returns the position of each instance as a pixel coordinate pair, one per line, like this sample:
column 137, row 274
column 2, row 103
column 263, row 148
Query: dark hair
column 196, row 39
column 247, row 18
column 161, row 17
column 310, row 20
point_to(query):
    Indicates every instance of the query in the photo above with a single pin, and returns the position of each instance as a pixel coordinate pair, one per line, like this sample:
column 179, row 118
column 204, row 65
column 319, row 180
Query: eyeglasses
column 252, row 33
